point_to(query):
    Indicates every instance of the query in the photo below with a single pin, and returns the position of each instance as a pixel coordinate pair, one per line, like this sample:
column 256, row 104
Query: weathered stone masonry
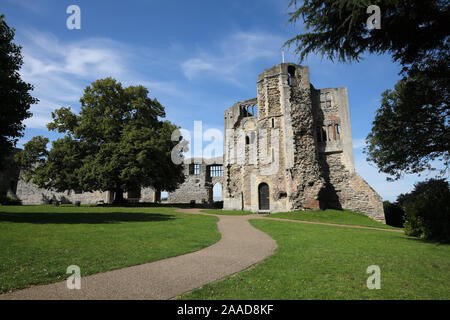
column 315, row 164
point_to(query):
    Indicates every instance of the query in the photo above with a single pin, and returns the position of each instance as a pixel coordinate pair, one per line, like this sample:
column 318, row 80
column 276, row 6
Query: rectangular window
column 194, row 169
column 249, row 110
column 216, row 171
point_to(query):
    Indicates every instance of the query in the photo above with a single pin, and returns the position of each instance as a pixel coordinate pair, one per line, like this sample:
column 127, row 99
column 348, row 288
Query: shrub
column 423, row 189
column 428, row 213
column 393, row 214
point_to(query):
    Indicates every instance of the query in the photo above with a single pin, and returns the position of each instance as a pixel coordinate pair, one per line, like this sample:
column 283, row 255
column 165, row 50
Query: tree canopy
column 14, row 92
column 116, row 143
column 411, row 128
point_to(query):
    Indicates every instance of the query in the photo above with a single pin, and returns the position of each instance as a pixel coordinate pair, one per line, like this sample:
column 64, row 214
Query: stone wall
column 197, row 187
column 345, row 189
column 306, row 170
column 30, row 194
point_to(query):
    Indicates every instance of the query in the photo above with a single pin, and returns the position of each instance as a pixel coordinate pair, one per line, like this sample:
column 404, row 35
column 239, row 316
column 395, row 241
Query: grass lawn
column 333, row 216
column 325, row 262
column 38, row 243
column 227, row 212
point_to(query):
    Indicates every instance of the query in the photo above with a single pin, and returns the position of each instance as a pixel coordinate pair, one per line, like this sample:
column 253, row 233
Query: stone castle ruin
column 290, row 148
column 311, row 165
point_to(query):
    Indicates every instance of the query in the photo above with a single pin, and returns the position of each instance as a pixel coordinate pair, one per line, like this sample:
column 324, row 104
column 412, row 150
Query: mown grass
column 346, row 217
column 227, row 212
column 38, row 243
column 325, row 262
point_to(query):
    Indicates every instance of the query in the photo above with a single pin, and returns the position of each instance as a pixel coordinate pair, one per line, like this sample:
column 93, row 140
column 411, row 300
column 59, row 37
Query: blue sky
column 196, row 57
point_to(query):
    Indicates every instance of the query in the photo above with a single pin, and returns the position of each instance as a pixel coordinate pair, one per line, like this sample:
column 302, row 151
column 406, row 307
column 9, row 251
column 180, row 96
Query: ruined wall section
column 271, row 148
column 349, row 190
column 344, row 188
column 196, row 187
column 236, row 168
column 31, row 194
column 193, row 188
column 148, row 195
column 306, row 172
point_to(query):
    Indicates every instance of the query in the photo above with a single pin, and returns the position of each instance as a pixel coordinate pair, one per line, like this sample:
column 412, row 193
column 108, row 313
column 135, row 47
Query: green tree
column 427, row 210
column 116, row 143
column 411, row 128
column 15, row 98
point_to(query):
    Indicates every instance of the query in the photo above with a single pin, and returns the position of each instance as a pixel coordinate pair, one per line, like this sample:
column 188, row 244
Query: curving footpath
column 240, row 247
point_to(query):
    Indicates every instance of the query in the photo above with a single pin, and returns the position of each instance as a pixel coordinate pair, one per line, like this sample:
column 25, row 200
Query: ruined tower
column 291, row 148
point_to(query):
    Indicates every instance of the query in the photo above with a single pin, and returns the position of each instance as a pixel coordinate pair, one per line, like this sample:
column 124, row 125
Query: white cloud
column 60, row 71
column 359, row 143
column 231, row 57
column 38, row 121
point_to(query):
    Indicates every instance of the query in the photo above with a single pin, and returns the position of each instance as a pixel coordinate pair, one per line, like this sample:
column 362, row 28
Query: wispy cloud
column 230, row 57
column 59, row 71
column 30, row 5
column 359, row 143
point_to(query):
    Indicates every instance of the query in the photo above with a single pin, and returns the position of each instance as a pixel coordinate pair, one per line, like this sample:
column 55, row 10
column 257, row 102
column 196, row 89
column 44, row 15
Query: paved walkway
column 240, row 247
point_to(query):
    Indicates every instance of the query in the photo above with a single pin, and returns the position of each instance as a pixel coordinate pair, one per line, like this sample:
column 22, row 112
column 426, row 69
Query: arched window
column 337, row 131
column 330, row 132
column 247, row 140
column 217, row 192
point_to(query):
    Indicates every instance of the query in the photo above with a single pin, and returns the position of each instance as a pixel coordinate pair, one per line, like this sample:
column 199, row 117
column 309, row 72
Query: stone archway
column 217, row 191
column 263, row 197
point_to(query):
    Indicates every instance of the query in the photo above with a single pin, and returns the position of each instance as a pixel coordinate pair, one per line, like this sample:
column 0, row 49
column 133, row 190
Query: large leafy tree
column 411, row 128
column 116, row 143
column 15, row 99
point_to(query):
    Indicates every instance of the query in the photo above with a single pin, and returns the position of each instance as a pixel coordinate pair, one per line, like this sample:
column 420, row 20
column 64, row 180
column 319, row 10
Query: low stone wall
column 30, row 194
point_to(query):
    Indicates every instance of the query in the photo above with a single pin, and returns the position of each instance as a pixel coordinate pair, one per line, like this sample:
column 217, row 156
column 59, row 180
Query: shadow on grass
column 429, row 241
column 82, row 218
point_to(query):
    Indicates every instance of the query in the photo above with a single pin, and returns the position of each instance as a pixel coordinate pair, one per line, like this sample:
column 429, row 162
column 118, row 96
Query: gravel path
column 240, row 247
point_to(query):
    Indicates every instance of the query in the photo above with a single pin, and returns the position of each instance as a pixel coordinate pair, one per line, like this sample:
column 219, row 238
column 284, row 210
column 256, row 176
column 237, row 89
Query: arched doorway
column 217, row 192
column 263, row 197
